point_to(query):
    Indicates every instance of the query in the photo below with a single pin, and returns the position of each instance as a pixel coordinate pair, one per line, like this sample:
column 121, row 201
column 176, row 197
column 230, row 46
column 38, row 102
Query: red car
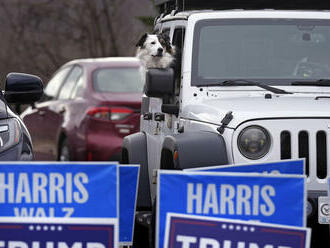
column 88, row 107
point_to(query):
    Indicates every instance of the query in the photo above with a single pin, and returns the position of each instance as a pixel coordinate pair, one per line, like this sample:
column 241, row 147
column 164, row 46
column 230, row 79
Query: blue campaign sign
column 50, row 232
column 59, row 190
column 282, row 167
column 129, row 175
column 195, row 231
column 278, row 199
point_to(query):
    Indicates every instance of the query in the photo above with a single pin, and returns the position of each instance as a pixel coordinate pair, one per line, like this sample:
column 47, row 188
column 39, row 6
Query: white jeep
column 254, row 86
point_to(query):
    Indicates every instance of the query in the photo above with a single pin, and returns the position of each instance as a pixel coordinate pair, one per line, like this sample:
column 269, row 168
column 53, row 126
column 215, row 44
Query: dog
column 155, row 51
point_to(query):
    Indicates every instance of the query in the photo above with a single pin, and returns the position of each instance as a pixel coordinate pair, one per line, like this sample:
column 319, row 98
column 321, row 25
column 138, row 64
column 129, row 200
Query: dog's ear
column 142, row 40
column 166, row 42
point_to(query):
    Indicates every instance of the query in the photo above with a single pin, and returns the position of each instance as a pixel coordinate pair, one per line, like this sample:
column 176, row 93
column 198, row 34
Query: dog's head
column 156, row 45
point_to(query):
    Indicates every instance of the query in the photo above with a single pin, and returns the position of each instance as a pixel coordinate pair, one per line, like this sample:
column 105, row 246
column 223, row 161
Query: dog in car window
column 155, row 51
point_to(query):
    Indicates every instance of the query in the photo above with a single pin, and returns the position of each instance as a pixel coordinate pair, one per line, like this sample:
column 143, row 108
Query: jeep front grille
column 307, row 142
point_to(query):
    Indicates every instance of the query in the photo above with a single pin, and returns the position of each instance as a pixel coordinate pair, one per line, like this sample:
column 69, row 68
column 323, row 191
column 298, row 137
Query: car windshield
column 271, row 51
column 118, row 80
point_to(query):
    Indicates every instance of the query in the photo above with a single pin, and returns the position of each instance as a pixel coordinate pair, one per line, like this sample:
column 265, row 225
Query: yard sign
column 278, row 199
column 74, row 189
column 197, row 231
column 58, row 232
column 128, row 188
column 59, row 190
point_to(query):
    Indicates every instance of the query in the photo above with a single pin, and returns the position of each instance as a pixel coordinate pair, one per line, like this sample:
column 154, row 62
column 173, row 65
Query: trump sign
column 59, row 233
column 186, row 231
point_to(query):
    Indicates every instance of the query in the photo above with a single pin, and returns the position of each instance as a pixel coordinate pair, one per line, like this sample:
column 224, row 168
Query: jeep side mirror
column 23, row 88
column 160, row 83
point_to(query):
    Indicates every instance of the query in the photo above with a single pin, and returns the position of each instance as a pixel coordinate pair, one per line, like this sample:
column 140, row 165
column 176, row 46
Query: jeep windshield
column 269, row 51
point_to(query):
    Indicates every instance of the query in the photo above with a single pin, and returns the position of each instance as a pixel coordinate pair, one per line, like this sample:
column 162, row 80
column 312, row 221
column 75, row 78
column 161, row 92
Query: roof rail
column 166, row 6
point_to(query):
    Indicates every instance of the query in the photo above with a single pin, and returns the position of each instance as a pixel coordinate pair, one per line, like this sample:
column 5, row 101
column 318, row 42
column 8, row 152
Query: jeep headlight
column 10, row 133
column 254, row 142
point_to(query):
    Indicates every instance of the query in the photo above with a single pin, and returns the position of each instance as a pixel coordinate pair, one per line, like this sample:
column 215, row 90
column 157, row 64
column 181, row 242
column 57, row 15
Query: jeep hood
column 257, row 107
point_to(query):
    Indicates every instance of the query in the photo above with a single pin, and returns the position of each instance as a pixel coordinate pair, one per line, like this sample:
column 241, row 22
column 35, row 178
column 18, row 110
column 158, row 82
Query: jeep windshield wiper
column 320, row 82
column 242, row 82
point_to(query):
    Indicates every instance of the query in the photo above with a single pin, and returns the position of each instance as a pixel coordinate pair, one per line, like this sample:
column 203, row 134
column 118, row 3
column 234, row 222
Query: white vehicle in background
column 254, row 87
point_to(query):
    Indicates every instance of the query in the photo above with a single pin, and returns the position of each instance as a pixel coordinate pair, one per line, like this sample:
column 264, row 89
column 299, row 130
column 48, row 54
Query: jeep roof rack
column 166, row 6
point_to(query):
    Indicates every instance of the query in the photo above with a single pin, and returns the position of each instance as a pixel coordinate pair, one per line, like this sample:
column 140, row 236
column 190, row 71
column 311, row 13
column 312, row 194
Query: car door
column 69, row 111
column 57, row 115
column 43, row 119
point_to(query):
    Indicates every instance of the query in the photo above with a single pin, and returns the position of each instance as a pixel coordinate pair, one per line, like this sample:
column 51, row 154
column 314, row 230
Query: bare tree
column 41, row 35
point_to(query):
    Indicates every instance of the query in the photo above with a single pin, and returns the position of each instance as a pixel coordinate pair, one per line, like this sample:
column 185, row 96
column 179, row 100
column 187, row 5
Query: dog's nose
column 160, row 50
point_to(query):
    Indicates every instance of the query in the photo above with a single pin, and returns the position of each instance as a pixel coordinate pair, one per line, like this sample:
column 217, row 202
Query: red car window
column 70, row 82
column 127, row 80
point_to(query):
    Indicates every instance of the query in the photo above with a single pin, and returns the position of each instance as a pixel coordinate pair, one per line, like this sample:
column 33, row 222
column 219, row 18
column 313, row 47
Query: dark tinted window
column 55, row 82
column 118, row 80
column 70, row 82
column 178, row 37
column 178, row 42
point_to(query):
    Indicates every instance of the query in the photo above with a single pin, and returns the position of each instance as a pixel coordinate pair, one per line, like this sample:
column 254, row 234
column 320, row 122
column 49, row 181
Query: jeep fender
column 134, row 151
column 193, row 149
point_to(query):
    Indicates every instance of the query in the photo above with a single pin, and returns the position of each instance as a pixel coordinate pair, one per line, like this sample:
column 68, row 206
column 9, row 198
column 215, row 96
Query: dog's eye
column 153, row 43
